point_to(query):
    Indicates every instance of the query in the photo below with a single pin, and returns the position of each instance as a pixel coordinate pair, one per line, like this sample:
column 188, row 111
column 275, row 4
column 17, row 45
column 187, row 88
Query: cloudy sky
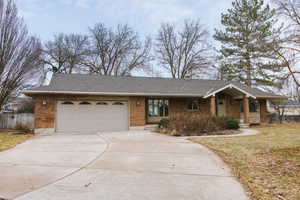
column 48, row 17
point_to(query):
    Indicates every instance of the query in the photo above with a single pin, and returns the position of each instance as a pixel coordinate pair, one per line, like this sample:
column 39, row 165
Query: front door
column 221, row 105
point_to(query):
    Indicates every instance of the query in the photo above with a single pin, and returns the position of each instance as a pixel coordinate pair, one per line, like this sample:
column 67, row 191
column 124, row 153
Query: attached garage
column 91, row 116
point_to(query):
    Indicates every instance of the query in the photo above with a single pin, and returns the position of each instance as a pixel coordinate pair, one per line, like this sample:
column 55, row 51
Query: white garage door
column 91, row 116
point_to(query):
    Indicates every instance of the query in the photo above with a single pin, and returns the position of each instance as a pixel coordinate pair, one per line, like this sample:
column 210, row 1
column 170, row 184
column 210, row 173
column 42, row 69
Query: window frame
column 85, row 103
column 118, row 103
column 67, row 103
column 251, row 102
column 159, row 106
column 254, row 105
column 193, row 102
column 101, row 103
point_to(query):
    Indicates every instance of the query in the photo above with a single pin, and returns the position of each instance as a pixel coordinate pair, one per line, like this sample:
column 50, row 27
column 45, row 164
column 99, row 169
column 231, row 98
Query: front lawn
column 9, row 140
column 268, row 164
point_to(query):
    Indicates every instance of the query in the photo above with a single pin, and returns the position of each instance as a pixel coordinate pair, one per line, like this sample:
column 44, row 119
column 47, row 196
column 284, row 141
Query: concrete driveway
column 134, row 165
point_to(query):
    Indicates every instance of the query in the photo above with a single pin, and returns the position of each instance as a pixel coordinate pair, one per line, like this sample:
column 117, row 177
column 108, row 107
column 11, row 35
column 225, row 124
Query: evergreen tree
column 246, row 55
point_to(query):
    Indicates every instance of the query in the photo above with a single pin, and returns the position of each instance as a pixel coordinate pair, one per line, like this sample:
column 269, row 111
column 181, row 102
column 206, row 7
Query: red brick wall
column 137, row 111
column 45, row 114
column 180, row 106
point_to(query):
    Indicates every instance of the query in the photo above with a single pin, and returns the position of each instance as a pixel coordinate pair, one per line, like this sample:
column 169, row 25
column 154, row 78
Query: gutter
column 272, row 97
column 32, row 92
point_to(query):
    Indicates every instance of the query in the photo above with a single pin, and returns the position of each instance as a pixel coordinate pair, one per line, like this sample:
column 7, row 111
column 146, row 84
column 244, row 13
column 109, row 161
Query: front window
column 193, row 105
column 84, row 103
column 253, row 106
column 102, row 103
column 118, row 103
column 158, row 107
column 67, row 103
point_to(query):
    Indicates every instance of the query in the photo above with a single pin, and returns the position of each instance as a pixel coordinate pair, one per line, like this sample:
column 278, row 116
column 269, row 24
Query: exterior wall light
column 44, row 102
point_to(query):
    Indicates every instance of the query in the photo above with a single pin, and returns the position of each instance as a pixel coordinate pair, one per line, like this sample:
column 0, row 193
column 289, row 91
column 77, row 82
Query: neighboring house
column 290, row 107
column 103, row 103
column 14, row 105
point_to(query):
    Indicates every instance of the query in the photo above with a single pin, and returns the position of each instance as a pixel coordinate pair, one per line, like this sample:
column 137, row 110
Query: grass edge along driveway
column 9, row 140
column 268, row 164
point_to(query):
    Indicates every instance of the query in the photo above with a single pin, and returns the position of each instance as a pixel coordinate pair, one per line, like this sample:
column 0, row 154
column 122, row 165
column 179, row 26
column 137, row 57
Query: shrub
column 232, row 123
column 219, row 123
column 197, row 124
column 164, row 123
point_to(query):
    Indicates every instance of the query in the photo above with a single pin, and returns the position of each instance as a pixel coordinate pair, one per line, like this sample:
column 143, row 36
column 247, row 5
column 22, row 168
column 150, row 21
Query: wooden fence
column 16, row 121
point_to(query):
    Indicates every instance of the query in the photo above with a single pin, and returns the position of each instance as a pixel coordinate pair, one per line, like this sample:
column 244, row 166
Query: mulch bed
column 7, row 131
column 12, row 131
column 221, row 132
column 225, row 132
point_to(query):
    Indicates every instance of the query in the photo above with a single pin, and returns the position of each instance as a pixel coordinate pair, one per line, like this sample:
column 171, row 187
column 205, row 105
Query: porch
column 247, row 110
column 235, row 102
column 228, row 102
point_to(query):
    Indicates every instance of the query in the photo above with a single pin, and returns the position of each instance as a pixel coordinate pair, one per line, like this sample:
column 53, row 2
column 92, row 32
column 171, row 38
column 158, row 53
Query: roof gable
column 230, row 86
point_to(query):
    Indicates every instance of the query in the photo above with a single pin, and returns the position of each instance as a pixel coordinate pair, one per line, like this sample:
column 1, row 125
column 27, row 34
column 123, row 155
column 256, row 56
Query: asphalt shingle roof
column 289, row 103
column 79, row 83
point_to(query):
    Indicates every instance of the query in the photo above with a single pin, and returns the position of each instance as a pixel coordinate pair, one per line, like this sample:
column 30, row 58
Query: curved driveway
column 134, row 165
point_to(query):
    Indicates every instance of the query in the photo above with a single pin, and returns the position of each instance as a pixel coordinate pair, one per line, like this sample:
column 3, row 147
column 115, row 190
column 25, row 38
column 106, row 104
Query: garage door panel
column 92, row 117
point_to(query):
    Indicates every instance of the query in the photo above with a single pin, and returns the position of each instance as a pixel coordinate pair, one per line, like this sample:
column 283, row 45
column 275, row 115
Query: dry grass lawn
column 268, row 164
column 10, row 140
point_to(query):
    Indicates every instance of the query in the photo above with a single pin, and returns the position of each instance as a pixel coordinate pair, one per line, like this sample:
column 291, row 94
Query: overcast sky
column 48, row 17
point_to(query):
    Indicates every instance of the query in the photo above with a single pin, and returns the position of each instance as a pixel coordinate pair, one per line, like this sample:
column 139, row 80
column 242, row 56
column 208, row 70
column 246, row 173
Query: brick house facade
column 141, row 109
column 46, row 109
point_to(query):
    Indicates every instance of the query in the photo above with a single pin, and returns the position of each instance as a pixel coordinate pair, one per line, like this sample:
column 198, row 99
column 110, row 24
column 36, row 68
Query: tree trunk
column 248, row 72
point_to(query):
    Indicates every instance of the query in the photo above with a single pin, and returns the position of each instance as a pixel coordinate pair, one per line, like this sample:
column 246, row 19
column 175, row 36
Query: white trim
column 110, row 93
column 229, row 86
column 149, row 94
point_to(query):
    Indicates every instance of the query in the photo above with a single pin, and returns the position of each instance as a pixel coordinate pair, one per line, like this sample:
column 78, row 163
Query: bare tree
column 288, row 50
column 19, row 52
column 185, row 52
column 279, row 107
column 66, row 53
column 116, row 52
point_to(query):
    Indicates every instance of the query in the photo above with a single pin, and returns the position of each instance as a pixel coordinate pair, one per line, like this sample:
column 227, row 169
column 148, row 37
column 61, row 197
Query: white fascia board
column 229, row 86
